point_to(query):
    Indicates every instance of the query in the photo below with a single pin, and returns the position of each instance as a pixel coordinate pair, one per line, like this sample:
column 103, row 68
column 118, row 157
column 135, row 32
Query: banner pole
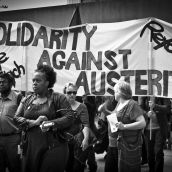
column 150, row 122
column 150, row 129
column 150, row 66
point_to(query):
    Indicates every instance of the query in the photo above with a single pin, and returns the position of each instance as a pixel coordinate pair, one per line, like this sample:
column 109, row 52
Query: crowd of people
column 47, row 131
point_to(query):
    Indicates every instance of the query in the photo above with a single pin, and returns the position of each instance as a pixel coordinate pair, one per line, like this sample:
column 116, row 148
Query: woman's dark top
column 41, row 143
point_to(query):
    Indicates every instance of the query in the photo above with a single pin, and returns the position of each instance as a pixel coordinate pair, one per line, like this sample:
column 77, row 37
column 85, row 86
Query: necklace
column 40, row 101
column 121, row 105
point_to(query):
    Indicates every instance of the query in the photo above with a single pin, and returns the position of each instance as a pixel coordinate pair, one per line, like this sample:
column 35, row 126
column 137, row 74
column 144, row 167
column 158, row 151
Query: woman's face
column 117, row 93
column 71, row 93
column 40, row 84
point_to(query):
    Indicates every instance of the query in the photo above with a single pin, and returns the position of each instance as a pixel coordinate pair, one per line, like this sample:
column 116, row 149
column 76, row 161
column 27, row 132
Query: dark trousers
column 77, row 159
column 91, row 160
column 70, row 162
column 144, row 152
column 155, row 150
column 111, row 163
column 54, row 159
column 76, row 163
column 78, row 166
column 9, row 157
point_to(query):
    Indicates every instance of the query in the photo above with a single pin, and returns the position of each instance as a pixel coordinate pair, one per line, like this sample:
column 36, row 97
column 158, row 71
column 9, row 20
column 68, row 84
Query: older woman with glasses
column 77, row 152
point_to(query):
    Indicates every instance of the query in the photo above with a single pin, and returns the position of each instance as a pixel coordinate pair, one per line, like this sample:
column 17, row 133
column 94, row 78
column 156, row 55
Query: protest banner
column 94, row 56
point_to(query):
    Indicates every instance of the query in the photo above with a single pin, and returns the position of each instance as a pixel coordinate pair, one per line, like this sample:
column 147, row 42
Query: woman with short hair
column 130, row 124
column 78, row 148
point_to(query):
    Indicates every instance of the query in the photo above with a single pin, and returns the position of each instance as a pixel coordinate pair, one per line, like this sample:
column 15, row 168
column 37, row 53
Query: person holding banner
column 43, row 150
column 79, row 146
column 130, row 124
column 156, row 132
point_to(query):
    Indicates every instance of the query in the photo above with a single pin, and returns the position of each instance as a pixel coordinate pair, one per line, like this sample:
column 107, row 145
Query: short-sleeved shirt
column 8, row 107
column 82, row 119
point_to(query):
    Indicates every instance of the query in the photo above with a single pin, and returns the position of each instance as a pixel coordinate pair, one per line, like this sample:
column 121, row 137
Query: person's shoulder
column 134, row 104
column 15, row 92
column 58, row 97
column 57, row 94
column 16, row 95
column 28, row 97
column 82, row 105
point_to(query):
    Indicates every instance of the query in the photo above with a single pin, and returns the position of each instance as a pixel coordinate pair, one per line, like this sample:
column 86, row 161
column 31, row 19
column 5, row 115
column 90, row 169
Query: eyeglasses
column 72, row 92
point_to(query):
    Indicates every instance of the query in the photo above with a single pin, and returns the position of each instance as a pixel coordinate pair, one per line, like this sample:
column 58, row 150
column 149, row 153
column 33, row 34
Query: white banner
column 94, row 56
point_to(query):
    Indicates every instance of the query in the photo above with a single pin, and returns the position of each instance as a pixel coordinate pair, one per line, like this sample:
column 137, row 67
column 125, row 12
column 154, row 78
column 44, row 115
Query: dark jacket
column 162, row 109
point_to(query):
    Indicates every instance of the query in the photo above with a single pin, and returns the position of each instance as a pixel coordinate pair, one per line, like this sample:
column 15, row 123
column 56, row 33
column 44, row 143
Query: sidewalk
column 167, row 163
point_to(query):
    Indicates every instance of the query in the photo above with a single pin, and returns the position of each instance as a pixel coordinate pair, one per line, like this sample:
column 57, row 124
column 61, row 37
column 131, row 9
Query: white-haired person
column 130, row 124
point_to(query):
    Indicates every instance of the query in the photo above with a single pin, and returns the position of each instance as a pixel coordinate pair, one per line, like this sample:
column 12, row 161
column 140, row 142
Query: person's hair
column 9, row 77
column 68, row 85
column 49, row 73
column 125, row 89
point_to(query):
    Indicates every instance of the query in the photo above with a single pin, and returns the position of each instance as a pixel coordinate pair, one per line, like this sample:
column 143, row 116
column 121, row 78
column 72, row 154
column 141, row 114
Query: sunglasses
column 72, row 92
